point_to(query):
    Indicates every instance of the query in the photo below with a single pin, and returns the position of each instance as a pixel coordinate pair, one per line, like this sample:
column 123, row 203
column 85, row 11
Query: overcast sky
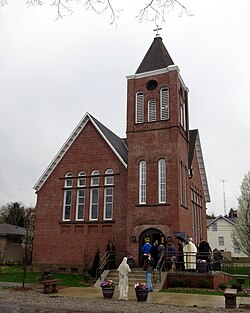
column 53, row 72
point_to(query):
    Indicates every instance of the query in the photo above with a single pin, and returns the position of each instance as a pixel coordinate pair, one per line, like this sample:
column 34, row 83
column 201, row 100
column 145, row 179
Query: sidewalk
column 180, row 299
column 156, row 297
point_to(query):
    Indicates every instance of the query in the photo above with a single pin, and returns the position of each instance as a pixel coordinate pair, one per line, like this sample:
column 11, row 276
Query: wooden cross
column 157, row 30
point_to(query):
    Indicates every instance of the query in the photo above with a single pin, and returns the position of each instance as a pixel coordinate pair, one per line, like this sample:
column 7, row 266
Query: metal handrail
column 104, row 261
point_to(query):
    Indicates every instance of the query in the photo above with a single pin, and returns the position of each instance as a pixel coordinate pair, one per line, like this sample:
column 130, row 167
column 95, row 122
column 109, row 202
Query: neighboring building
column 219, row 232
column 102, row 188
column 11, row 249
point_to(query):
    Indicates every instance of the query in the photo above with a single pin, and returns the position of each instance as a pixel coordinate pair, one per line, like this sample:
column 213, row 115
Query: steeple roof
column 156, row 58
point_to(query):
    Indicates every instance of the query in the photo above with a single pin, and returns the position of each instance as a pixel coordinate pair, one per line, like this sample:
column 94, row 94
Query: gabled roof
column 221, row 217
column 8, row 229
column 156, row 58
column 117, row 145
column 195, row 145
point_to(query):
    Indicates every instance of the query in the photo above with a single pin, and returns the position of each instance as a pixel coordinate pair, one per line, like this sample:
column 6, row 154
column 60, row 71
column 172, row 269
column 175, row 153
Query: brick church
column 101, row 188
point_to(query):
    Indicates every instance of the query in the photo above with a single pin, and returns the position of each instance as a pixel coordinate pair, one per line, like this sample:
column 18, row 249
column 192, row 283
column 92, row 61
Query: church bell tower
column 157, row 138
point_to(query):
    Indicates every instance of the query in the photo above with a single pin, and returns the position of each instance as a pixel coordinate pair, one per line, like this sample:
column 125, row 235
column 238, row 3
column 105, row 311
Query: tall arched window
column 162, row 181
column 94, row 195
column 152, row 110
column 80, row 201
column 182, row 108
column 67, row 202
column 142, row 182
column 108, row 194
column 139, row 107
column 164, row 103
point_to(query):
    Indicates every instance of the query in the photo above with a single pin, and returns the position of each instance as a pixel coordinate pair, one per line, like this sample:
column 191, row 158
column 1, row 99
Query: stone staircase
column 136, row 275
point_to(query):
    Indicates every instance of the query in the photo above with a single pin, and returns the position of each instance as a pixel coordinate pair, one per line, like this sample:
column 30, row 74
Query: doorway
column 151, row 234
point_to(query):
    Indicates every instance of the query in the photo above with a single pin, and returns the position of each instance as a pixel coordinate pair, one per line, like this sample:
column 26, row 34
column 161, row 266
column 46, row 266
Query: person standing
column 189, row 253
column 204, row 252
column 217, row 257
column 170, row 256
column 161, row 251
column 154, row 253
column 180, row 258
column 123, row 270
column 148, row 269
column 146, row 249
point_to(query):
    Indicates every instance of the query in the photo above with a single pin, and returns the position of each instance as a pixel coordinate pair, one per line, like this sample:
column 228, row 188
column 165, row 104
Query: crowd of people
column 185, row 258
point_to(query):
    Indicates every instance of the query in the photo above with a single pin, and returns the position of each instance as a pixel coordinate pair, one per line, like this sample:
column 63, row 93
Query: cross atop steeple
column 157, row 30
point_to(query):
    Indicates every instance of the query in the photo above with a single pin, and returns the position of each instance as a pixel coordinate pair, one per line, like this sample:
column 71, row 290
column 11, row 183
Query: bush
column 177, row 282
column 204, row 283
column 237, row 286
column 222, row 286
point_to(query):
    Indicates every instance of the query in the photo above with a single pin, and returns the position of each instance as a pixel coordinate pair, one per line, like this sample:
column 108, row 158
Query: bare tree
column 241, row 231
column 151, row 10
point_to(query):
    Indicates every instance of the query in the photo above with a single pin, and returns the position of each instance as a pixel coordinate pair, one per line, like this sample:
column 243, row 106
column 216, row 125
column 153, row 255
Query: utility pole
column 224, row 197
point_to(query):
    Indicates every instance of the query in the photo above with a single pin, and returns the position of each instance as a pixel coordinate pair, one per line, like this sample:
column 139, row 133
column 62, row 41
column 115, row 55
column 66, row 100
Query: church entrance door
column 151, row 234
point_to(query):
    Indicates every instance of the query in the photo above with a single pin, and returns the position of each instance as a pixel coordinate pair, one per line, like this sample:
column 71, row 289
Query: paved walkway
column 180, row 299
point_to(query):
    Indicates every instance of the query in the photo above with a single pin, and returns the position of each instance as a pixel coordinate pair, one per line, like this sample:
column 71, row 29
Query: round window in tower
column 152, row 84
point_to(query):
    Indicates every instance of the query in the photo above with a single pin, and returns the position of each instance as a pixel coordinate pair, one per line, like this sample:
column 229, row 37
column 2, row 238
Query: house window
column 236, row 250
column 142, row 182
column 162, row 181
column 108, row 194
column 221, row 241
column 152, row 110
column 80, row 202
column 94, row 195
column 214, row 227
column 67, row 202
column 164, row 102
column 139, row 107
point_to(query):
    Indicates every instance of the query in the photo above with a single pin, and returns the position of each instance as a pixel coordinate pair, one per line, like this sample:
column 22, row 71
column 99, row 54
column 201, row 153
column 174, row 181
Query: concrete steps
column 136, row 275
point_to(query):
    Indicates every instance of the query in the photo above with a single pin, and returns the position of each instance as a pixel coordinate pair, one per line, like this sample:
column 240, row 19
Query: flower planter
column 202, row 267
column 108, row 292
column 141, row 294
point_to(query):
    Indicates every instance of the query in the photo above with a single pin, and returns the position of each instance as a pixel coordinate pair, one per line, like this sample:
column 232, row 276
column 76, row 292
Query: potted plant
column 202, row 266
column 108, row 288
column 141, row 291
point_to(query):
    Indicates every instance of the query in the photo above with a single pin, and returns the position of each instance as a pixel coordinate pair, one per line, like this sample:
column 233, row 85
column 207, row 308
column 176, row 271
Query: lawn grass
column 15, row 274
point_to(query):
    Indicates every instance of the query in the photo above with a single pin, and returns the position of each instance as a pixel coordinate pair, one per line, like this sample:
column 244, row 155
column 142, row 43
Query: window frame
column 152, row 110
column 108, row 186
column 139, row 107
column 94, row 195
column 162, row 181
column 142, row 182
column 164, row 107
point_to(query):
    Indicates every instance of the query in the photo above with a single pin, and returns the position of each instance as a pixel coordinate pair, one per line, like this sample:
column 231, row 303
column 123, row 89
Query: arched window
column 142, row 182
column 164, row 103
column 139, row 107
column 152, row 110
column 80, row 201
column 68, row 180
column 108, row 194
column 162, row 181
column 182, row 106
column 67, row 202
column 94, row 195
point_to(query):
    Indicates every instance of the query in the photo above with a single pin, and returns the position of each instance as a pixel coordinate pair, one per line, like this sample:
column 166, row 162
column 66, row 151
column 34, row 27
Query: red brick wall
column 62, row 242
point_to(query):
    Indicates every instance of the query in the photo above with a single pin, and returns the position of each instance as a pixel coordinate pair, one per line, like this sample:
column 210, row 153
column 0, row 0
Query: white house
column 219, row 232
